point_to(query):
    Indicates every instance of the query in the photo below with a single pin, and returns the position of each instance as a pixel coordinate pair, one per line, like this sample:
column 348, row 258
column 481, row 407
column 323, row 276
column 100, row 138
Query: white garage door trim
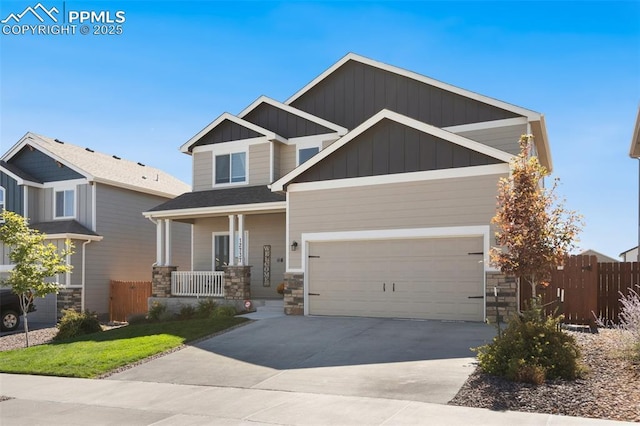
column 389, row 234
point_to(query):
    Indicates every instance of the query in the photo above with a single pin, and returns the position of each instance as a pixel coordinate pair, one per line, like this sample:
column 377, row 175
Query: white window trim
column 229, row 153
column 298, row 148
column 245, row 244
column 305, row 142
column 65, row 188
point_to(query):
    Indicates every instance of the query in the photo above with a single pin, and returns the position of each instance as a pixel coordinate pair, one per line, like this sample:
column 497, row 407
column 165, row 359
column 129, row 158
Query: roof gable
column 96, row 167
column 355, row 88
column 389, row 147
column 227, row 128
column 41, row 166
column 389, row 143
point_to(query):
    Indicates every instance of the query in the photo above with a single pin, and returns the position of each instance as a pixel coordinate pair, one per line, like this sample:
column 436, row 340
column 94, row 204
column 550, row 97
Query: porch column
column 241, row 239
column 232, row 240
column 159, row 225
column 167, row 242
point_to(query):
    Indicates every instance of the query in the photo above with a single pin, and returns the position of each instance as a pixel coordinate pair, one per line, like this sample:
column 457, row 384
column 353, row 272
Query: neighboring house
column 630, row 255
column 601, row 257
column 95, row 200
column 370, row 192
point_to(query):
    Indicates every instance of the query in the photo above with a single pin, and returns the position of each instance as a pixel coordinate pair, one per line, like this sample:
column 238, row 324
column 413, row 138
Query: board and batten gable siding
column 202, row 171
column 226, row 131
column 13, row 194
column 283, row 122
column 503, row 138
column 357, row 91
column 43, row 167
column 128, row 248
column 390, row 147
column 263, row 229
column 259, row 164
column 465, row 201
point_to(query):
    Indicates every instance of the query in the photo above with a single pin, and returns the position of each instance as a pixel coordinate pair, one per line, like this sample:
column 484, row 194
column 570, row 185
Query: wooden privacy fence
column 590, row 289
column 128, row 298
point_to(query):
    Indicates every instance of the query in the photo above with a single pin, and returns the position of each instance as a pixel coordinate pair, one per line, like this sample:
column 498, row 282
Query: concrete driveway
column 424, row 361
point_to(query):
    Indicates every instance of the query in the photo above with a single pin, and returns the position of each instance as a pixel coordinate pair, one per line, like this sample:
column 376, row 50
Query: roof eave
column 271, row 207
column 634, row 151
column 137, row 188
column 72, row 236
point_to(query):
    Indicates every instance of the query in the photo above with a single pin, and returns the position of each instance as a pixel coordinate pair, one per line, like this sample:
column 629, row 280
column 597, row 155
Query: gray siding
column 263, row 229
column 202, row 171
column 390, row 147
column 284, row 123
column 13, row 193
column 224, row 132
column 34, row 204
column 42, row 167
column 128, row 248
column 277, row 149
column 84, row 209
column 259, row 164
column 437, row 203
column 502, row 138
column 356, row 91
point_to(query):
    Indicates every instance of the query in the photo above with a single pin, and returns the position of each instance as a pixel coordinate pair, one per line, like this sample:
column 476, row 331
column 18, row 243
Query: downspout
column 84, row 251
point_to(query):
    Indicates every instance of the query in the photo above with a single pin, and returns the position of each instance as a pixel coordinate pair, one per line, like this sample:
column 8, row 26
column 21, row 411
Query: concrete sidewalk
column 41, row 400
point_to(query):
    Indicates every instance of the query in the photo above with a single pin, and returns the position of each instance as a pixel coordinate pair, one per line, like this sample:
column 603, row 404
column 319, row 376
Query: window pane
column 59, row 203
column 222, row 169
column 306, row 153
column 238, row 166
column 69, row 203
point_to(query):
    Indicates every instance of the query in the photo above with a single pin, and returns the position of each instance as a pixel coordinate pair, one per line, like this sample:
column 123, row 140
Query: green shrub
column 187, row 312
column 225, row 311
column 158, row 312
column 206, row 308
column 73, row 324
column 532, row 349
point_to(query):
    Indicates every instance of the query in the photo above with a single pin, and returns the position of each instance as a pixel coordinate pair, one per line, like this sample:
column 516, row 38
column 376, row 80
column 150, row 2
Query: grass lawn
column 95, row 354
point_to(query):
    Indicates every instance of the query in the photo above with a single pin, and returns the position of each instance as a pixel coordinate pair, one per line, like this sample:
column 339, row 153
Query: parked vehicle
column 10, row 310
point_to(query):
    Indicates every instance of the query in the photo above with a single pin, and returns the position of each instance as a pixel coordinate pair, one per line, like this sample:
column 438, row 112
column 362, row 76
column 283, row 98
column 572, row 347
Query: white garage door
column 434, row 278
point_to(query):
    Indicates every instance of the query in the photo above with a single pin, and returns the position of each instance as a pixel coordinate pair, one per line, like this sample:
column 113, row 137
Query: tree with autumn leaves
column 534, row 231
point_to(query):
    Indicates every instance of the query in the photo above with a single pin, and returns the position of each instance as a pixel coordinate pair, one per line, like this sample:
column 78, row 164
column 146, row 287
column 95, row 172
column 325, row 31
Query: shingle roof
column 62, row 227
column 221, row 197
column 112, row 169
column 18, row 172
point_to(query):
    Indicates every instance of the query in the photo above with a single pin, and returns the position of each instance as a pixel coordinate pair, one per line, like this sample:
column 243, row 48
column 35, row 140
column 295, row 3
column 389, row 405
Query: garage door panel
column 415, row 278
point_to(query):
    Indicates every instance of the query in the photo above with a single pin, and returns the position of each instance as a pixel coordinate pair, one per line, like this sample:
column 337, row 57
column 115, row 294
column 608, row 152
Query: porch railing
column 197, row 283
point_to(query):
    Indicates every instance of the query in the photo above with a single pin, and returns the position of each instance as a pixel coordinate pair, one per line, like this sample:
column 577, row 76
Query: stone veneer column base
column 161, row 281
column 294, row 293
column 237, row 282
column 507, row 303
column 68, row 298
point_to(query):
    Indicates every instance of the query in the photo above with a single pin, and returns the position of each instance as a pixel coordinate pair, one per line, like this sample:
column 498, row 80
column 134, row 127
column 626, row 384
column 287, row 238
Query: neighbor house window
column 65, row 203
column 306, row 153
column 231, row 168
column 2, row 203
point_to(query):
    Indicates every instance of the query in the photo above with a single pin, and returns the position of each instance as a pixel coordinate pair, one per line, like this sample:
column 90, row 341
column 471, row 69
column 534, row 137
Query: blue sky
column 178, row 65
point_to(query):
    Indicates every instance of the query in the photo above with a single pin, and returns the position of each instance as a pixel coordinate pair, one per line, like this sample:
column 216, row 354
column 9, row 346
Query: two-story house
column 370, row 192
column 95, row 200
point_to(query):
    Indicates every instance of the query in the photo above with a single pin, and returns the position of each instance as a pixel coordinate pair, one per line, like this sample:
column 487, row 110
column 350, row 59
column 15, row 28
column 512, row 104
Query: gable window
column 65, row 203
column 231, row 168
column 306, row 153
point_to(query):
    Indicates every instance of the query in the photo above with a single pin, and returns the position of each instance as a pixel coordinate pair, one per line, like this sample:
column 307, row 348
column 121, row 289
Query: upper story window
column 306, row 153
column 65, row 203
column 231, row 168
